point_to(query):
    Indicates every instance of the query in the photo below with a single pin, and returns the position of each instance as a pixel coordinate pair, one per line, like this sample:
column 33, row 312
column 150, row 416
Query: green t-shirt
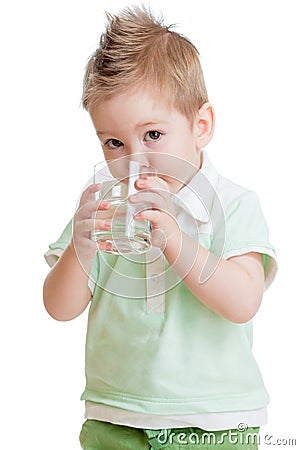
column 184, row 359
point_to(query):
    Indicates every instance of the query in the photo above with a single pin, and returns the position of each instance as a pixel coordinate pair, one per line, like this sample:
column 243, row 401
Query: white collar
column 197, row 197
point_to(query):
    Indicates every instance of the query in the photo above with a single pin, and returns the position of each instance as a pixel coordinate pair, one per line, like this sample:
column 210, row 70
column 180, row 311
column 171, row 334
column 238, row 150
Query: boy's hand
column 155, row 191
column 91, row 215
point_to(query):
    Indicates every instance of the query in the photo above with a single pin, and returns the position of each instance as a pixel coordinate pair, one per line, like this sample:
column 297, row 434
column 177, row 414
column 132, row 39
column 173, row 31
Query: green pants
column 96, row 435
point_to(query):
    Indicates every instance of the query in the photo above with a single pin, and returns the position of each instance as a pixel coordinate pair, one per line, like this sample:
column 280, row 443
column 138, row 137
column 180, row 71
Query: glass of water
column 117, row 179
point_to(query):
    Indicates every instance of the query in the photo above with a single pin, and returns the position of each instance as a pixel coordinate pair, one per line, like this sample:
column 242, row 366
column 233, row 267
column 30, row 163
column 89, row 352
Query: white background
column 249, row 52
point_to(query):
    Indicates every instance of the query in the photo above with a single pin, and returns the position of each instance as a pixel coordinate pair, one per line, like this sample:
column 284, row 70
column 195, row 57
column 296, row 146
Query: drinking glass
column 126, row 234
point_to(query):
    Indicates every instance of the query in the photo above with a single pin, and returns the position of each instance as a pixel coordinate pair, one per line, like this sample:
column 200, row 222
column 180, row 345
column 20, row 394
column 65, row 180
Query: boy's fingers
column 152, row 183
column 91, row 207
column 155, row 199
column 151, row 215
column 89, row 193
column 89, row 225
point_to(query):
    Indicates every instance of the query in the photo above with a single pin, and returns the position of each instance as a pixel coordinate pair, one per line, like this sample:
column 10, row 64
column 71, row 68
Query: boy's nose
column 136, row 153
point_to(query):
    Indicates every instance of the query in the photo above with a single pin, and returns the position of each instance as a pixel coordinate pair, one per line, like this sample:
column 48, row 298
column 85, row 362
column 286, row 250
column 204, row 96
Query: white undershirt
column 209, row 421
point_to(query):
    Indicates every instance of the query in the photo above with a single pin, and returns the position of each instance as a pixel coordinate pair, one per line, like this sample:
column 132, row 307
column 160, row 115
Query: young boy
column 168, row 351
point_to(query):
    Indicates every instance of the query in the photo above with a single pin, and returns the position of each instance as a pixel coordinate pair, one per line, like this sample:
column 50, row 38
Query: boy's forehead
column 139, row 109
column 137, row 126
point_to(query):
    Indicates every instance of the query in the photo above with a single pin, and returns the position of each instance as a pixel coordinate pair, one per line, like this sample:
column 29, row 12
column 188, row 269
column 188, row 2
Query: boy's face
column 135, row 126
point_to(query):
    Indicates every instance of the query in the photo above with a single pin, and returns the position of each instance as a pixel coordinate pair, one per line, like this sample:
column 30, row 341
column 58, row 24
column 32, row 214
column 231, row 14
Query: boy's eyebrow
column 138, row 125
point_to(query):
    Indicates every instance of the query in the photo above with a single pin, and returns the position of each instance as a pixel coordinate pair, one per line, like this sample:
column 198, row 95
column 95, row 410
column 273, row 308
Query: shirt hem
column 205, row 421
column 178, row 406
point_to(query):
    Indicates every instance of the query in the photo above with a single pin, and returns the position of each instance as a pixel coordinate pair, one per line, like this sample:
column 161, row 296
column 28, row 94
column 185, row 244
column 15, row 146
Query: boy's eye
column 152, row 135
column 114, row 143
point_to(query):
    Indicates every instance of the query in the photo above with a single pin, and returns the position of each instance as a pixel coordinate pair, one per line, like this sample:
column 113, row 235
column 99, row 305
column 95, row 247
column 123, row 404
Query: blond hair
column 137, row 51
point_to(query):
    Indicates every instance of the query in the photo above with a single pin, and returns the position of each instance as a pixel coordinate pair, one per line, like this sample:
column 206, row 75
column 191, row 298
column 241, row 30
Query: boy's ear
column 204, row 125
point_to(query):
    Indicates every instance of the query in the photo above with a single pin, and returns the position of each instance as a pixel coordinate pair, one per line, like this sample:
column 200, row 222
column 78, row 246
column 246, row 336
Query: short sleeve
column 56, row 248
column 246, row 231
